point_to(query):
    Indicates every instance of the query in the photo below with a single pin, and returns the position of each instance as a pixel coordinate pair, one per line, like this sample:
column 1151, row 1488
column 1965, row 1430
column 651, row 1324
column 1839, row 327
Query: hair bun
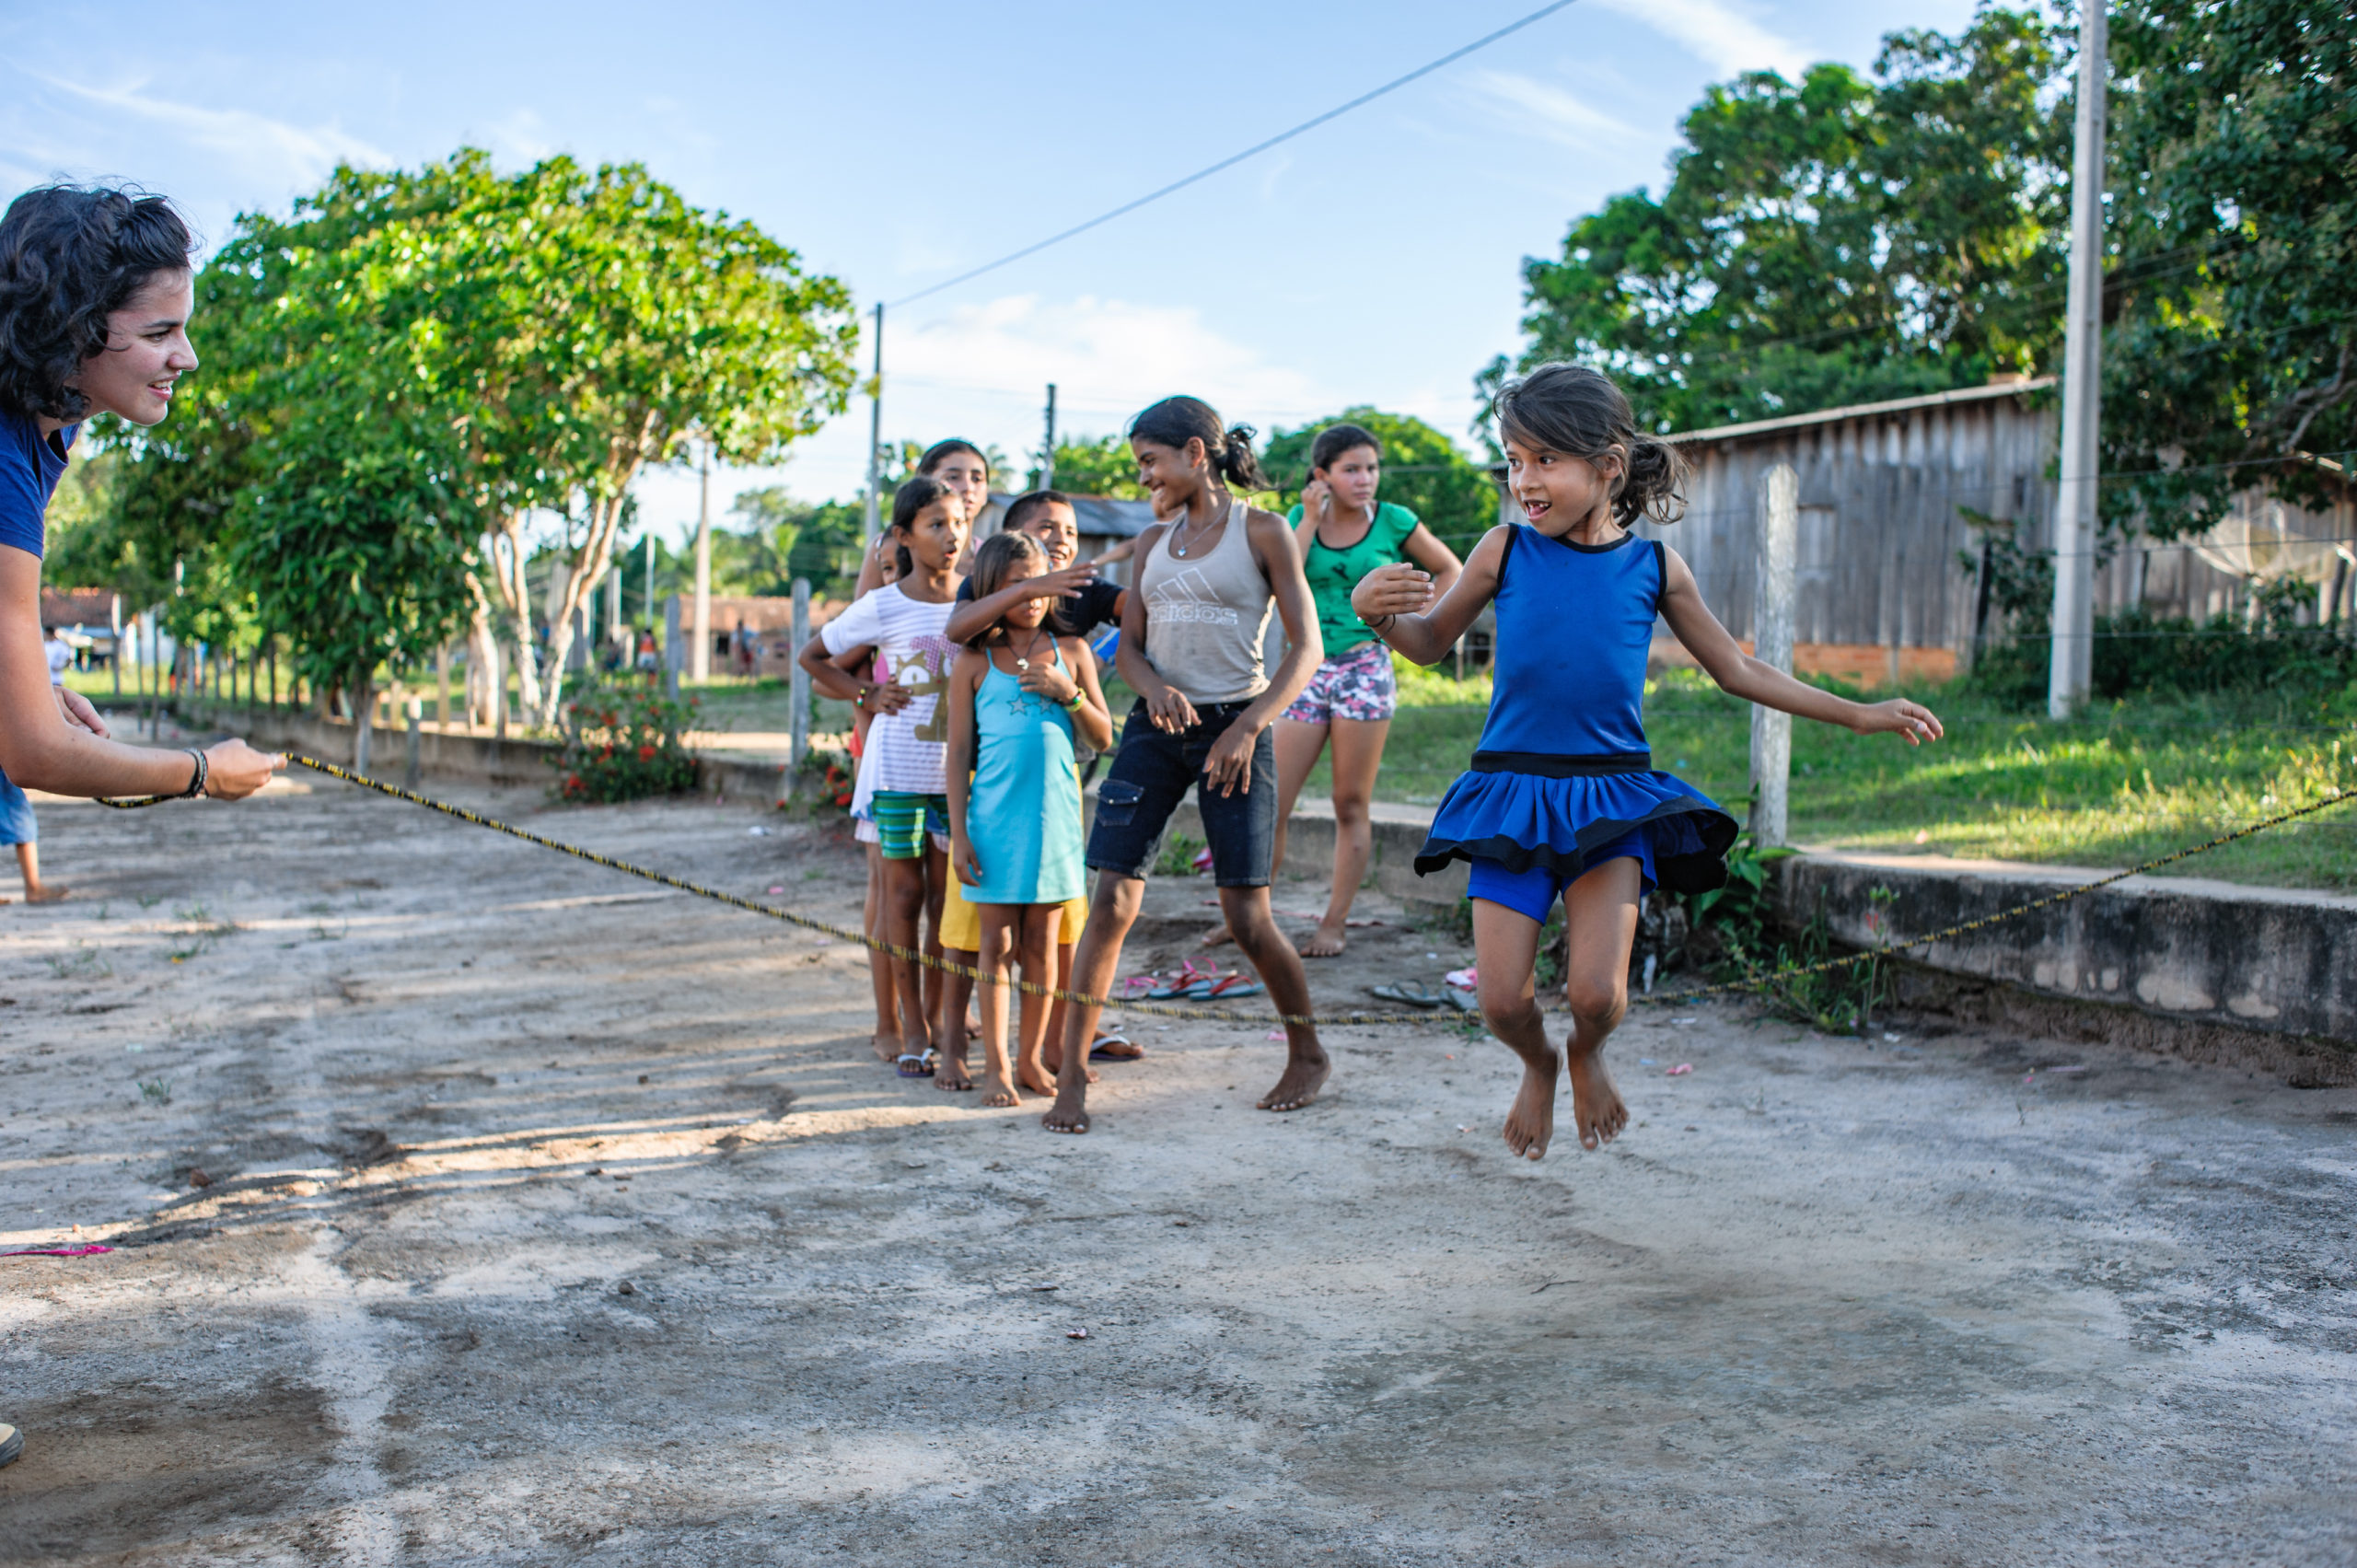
column 1655, row 485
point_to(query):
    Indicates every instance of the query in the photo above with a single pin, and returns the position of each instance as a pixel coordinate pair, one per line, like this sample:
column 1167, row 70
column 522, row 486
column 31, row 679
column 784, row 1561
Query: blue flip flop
column 911, row 1065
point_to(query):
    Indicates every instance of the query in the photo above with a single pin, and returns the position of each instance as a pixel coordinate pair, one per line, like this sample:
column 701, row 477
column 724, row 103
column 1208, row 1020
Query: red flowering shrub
column 624, row 743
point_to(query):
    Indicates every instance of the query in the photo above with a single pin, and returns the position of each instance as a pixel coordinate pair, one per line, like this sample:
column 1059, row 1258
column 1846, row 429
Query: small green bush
column 624, row 741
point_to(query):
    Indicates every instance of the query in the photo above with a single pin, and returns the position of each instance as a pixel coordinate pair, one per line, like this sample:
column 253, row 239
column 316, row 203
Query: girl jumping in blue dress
column 1562, row 800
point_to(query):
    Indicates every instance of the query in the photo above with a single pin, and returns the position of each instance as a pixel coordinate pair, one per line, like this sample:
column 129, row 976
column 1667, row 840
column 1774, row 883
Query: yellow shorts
column 961, row 922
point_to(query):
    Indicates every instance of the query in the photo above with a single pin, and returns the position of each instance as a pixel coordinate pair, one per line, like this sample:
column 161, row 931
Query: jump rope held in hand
column 1204, row 1015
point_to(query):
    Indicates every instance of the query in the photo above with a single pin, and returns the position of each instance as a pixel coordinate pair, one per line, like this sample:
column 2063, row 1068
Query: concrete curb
column 478, row 759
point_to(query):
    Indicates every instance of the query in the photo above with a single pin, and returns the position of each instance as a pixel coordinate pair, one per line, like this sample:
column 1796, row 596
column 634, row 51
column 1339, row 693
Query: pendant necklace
column 1023, row 659
column 1178, row 535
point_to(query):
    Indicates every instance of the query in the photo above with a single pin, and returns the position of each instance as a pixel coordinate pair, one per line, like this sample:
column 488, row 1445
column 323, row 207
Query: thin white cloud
column 522, row 138
column 296, row 153
column 1546, row 109
column 1722, row 34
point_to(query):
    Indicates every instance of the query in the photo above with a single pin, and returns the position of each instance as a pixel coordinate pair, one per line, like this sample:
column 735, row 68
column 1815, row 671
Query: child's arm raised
column 965, row 680
column 1394, row 599
column 1740, row 675
column 975, row 616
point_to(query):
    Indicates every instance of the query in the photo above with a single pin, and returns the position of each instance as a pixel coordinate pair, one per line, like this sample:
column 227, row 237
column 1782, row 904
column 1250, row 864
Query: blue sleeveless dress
column 1023, row 811
column 1562, row 778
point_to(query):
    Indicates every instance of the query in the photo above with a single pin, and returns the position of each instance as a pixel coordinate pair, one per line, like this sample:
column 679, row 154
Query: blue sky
column 895, row 145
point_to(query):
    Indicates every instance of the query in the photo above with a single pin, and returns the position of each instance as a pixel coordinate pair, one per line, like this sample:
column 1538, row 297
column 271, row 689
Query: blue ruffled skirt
column 1521, row 821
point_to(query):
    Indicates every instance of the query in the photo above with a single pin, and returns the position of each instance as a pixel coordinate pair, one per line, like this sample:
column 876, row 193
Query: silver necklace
column 1023, row 659
column 1178, row 535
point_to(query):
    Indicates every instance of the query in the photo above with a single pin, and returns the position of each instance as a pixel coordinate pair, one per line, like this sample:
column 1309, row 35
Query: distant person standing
column 61, row 656
column 1344, row 533
column 96, row 290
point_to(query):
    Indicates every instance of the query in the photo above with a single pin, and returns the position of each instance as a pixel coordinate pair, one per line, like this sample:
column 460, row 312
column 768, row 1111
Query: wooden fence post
column 798, row 746
column 414, row 708
column 1771, row 644
column 442, row 687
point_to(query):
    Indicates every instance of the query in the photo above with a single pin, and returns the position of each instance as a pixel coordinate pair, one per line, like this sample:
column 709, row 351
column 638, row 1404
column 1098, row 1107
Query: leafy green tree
column 784, row 538
column 1831, row 240
column 1097, row 465
column 2233, row 309
column 1423, row 470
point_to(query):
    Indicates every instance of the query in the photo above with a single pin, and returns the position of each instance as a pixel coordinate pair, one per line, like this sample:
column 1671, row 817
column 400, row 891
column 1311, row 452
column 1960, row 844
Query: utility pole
column 1771, row 644
column 1048, row 452
column 2075, row 500
column 700, row 652
column 871, row 523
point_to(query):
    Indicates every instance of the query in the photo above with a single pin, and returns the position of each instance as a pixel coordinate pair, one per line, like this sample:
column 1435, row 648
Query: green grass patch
column 2125, row 781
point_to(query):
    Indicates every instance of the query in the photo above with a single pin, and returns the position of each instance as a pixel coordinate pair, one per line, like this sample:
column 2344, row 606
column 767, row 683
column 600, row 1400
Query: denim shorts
column 17, row 824
column 1151, row 773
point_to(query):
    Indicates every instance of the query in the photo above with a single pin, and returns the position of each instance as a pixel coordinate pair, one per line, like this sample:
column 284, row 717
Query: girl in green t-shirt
column 1344, row 533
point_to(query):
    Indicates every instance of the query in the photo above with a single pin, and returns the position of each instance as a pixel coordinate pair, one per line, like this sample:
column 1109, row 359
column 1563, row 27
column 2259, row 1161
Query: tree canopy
column 414, row 361
column 1831, row 240
column 2231, row 336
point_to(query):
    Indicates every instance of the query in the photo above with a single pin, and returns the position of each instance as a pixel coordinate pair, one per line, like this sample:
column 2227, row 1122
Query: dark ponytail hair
column 993, row 563
column 942, row 451
column 1337, row 439
column 907, row 501
column 1173, row 422
column 70, row 257
column 1574, row 409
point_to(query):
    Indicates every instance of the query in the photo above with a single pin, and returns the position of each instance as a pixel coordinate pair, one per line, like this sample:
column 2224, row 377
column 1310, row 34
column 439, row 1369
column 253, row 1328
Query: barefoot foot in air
column 1304, row 1076
column 1531, row 1123
column 1597, row 1110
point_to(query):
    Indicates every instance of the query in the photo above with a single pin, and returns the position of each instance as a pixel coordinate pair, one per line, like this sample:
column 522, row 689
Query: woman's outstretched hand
column 1899, row 717
column 234, row 770
column 1397, row 589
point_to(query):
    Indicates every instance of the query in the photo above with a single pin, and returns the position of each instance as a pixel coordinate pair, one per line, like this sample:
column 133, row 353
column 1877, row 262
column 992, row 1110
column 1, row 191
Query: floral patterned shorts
column 1354, row 685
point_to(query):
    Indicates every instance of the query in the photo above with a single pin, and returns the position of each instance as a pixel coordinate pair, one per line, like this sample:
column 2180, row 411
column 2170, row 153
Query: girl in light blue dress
column 1017, row 697
column 1562, row 800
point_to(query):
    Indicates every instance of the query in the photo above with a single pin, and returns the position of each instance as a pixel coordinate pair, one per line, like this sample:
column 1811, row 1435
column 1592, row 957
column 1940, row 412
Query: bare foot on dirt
column 1531, row 1123
column 1069, row 1114
column 1218, row 936
column 1299, row 1085
column 950, row 1073
column 48, row 895
column 1036, row 1077
column 885, row 1045
column 1051, row 1060
column 1597, row 1110
column 997, row 1091
column 1326, row 941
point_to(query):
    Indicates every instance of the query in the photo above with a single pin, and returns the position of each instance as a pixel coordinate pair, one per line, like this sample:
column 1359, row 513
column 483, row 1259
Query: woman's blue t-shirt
column 30, row 469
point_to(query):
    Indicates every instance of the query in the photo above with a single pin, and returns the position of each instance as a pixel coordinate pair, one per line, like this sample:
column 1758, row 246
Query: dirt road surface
column 553, row 1218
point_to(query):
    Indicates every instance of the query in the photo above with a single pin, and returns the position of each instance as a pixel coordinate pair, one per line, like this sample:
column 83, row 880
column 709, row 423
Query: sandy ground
column 557, row 1219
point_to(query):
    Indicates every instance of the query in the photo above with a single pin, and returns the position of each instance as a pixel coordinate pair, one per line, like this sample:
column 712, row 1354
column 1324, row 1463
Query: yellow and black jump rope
column 1210, row 1015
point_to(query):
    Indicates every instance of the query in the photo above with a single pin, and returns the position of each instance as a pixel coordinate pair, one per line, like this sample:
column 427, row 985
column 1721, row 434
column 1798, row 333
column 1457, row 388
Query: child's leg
column 1600, row 915
column 1279, row 966
column 949, row 1032
column 28, row 863
column 887, row 1038
column 936, row 877
column 999, row 921
column 903, row 904
column 1358, row 754
column 1035, row 949
column 1112, row 910
column 1506, row 951
column 1051, row 1047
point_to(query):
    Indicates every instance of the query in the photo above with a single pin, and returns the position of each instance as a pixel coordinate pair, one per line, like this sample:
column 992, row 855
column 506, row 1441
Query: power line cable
column 1230, row 162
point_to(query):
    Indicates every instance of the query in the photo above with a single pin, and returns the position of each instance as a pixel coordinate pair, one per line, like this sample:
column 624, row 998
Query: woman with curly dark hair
column 95, row 294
